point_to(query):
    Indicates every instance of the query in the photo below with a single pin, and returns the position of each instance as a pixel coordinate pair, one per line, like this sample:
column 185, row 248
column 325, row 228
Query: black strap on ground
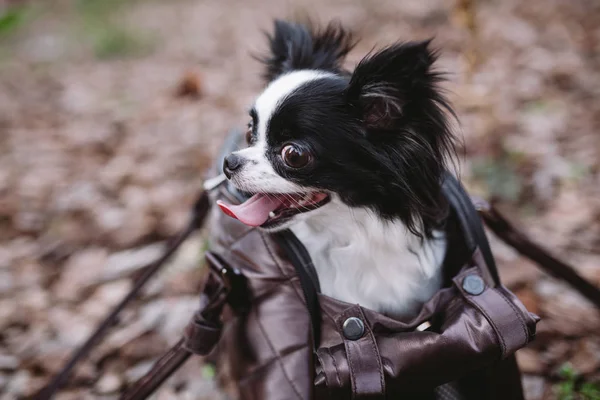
column 520, row 242
column 160, row 372
column 197, row 218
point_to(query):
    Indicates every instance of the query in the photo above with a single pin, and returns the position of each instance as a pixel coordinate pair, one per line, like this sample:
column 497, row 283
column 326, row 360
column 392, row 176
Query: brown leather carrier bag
column 272, row 335
column 280, row 338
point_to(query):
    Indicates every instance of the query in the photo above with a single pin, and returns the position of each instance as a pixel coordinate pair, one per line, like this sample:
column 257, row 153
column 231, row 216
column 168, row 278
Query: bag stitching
column 337, row 372
column 377, row 354
column 322, row 363
column 280, row 362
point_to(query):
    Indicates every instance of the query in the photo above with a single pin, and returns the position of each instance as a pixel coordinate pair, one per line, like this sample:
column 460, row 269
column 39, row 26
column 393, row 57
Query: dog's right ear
column 295, row 46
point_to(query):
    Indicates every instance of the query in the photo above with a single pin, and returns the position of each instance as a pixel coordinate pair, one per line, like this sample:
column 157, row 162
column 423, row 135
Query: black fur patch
column 379, row 138
column 303, row 46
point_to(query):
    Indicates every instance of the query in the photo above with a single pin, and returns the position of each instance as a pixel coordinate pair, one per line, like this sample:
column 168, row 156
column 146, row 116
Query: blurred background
column 110, row 112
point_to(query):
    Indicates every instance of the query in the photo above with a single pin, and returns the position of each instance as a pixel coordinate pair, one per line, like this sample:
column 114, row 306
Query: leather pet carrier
column 273, row 335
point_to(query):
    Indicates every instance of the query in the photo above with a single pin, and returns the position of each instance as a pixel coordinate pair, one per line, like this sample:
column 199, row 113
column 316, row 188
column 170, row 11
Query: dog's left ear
column 388, row 81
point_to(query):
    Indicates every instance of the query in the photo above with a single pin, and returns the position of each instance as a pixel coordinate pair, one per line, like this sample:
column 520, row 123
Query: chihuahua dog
column 352, row 163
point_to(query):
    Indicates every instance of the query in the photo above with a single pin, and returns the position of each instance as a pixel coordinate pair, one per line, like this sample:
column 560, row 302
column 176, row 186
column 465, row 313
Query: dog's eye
column 295, row 157
column 249, row 133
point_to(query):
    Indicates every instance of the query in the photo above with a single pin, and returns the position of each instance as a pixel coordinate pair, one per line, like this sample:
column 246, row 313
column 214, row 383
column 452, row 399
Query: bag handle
column 224, row 285
column 470, row 222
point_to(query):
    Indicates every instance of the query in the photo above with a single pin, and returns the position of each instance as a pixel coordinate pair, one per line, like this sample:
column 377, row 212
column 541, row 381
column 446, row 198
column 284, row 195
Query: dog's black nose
column 231, row 163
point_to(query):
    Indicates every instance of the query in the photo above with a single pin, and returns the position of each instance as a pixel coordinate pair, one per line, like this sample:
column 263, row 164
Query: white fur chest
column 380, row 265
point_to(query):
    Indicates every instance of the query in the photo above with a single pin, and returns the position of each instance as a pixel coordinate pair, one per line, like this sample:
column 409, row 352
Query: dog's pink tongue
column 254, row 211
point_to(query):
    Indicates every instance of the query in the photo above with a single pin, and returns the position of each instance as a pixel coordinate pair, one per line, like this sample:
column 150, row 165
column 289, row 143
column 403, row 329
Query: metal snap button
column 353, row 328
column 473, row 284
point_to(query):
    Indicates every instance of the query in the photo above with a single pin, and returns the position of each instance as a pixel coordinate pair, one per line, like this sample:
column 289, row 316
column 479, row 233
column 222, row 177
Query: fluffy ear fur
column 405, row 116
column 385, row 82
column 296, row 46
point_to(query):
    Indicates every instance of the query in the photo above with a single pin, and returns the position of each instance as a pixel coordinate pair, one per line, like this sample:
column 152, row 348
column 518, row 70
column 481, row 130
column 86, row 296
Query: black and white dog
column 351, row 163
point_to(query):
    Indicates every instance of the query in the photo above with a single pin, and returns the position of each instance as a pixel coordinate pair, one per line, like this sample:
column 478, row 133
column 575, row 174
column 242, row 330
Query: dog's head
column 376, row 138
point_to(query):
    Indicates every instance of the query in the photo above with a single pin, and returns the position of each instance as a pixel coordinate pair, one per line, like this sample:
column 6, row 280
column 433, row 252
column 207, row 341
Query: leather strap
column 204, row 329
column 366, row 369
column 309, row 281
column 200, row 336
column 470, row 223
column 508, row 322
column 161, row 371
